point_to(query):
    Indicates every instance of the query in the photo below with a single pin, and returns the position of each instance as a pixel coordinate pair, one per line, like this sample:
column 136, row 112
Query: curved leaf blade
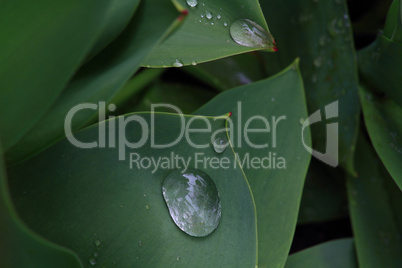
column 382, row 118
column 37, row 36
column 204, row 34
column 375, row 204
column 97, row 203
column 277, row 191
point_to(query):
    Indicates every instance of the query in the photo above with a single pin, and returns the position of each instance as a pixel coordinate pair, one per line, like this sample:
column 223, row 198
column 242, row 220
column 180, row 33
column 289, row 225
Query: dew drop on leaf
column 192, row 3
column 177, row 63
column 220, row 145
column 193, row 201
column 208, row 15
column 249, row 34
column 92, row 261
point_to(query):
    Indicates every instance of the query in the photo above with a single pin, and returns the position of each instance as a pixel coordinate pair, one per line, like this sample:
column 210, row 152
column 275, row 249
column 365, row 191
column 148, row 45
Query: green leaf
column 19, row 247
column 384, row 125
column 319, row 33
column 333, row 254
column 101, row 78
column 380, row 67
column 118, row 16
column 229, row 72
column 93, row 203
column 393, row 24
column 324, row 194
column 277, row 191
column 379, row 64
column 376, row 211
column 204, row 35
column 36, row 37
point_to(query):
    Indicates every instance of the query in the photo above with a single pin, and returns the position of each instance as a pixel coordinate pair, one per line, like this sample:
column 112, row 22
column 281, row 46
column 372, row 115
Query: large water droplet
column 248, row 33
column 220, row 145
column 192, row 3
column 193, row 201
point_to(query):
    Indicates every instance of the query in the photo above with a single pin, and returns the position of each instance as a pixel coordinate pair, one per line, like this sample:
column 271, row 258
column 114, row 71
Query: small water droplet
column 147, row 207
column 193, row 201
column 225, row 24
column 140, row 243
column 96, row 254
column 218, row 17
column 212, row 23
column 177, row 63
column 192, row 3
column 208, row 15
column 301, row 121
column 92, row 261
column 220, row 145
column 98, row 243
column 202, row 15
column 194, row 63
column 272, row 99
column 178, row 258
column 248, row 33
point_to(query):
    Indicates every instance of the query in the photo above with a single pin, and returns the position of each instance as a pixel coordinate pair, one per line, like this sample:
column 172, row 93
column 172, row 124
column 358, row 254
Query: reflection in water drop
column 192, row 3
column 220, row 145
column 193, row 201
column 248, row 33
